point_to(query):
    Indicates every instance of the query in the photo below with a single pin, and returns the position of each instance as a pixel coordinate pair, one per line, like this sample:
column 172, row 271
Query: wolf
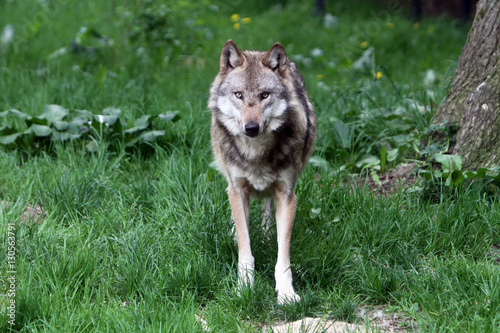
column 263, row 129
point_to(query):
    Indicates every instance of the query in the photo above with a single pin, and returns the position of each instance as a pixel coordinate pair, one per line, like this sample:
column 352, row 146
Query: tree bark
column 474, row 99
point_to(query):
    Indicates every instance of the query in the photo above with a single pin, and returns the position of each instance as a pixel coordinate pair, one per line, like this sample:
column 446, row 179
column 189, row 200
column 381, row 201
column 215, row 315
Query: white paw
column 287, row 297
column 245, row 284
column 246, row 273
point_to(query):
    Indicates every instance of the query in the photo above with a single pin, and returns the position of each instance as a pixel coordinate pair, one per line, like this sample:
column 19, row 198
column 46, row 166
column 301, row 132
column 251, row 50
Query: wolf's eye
column 264, row 95
column 238, row 95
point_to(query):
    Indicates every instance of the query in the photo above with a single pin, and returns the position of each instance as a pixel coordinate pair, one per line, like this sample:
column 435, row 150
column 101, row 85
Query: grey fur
column 261, row 91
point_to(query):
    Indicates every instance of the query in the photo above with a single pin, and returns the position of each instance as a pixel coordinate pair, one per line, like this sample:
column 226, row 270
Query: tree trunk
column 474, row 99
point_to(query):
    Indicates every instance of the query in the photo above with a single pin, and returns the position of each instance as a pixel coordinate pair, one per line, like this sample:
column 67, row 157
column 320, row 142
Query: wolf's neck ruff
column 263, row 131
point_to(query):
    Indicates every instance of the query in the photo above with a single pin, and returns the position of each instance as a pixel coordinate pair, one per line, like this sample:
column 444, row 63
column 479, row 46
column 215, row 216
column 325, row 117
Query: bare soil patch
column 398, row 180
column 31, row 214
column 379, row 319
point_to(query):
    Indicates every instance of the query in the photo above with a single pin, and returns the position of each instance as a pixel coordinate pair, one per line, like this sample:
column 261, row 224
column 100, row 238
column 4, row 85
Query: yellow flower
column 237, row 26
column 416, row 25
column 378, row 75
column 390, row 25
column 235, row 17
column 364, row 45
column 246, row 20
column 320, row 77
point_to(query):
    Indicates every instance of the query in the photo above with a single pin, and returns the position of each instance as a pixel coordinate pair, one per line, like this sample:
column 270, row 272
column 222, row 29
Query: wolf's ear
column 276, row 58
column 230, row 57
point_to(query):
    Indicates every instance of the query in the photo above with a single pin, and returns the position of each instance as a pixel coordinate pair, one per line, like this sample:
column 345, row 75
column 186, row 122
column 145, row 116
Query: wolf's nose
column 252, row 129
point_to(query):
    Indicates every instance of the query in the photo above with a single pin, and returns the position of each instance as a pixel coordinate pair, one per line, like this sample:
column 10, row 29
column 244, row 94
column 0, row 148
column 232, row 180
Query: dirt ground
column 378, row 318
column 32, row 213
column 400, row 179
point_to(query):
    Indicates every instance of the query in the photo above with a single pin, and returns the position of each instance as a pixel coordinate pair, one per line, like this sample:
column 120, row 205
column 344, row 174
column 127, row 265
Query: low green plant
column 56, row 124
column 163, row 31
column 451, row 173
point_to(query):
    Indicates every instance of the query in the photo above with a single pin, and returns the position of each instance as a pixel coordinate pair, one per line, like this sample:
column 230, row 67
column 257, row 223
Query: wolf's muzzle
column 252, row 129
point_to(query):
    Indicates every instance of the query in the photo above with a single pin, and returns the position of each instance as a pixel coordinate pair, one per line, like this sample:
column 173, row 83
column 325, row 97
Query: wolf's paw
column 287, row 297
column 245, row 274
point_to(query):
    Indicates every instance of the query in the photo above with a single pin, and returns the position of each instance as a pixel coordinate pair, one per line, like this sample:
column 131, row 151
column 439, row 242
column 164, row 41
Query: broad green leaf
column 150, row 136
column 143, row 121
column 432, row 149
column 494, row 173
column 348, row 167
column 457, row 178
column 133, row 130
column 16, row 113
column 54, row 113
column 342, row 134
column 14, row 120
column 109, row 115
column 495, row 169
column 470, row 174
column 8, row 139
column 368, row 161
column 60, row 125
column 7, row 130
column 112, row 111
column 39, row 120
column 449, row 180
column 481, row 172
column 392, row 154
column 64, row 136
column 132, row 141
column 414, row 189
column 319, row 162
column 84, row 114
column 169, row 116
column 77, row 123
column 448, row 163
column 39, row 130
column 402, row 139
column 139, row 124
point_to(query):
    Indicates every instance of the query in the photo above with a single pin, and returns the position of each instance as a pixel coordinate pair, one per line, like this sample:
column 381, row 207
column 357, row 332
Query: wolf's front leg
column 240, row 207
column 267, row 211
column 285, row 215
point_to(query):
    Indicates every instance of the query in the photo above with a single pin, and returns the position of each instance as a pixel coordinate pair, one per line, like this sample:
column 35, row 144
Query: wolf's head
column 249, row 91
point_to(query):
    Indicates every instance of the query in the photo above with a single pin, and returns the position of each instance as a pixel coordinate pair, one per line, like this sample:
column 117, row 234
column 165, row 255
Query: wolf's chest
column 258, row 177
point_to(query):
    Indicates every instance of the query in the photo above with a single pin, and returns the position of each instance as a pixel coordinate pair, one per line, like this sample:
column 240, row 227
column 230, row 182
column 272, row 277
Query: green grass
column 139, row 239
